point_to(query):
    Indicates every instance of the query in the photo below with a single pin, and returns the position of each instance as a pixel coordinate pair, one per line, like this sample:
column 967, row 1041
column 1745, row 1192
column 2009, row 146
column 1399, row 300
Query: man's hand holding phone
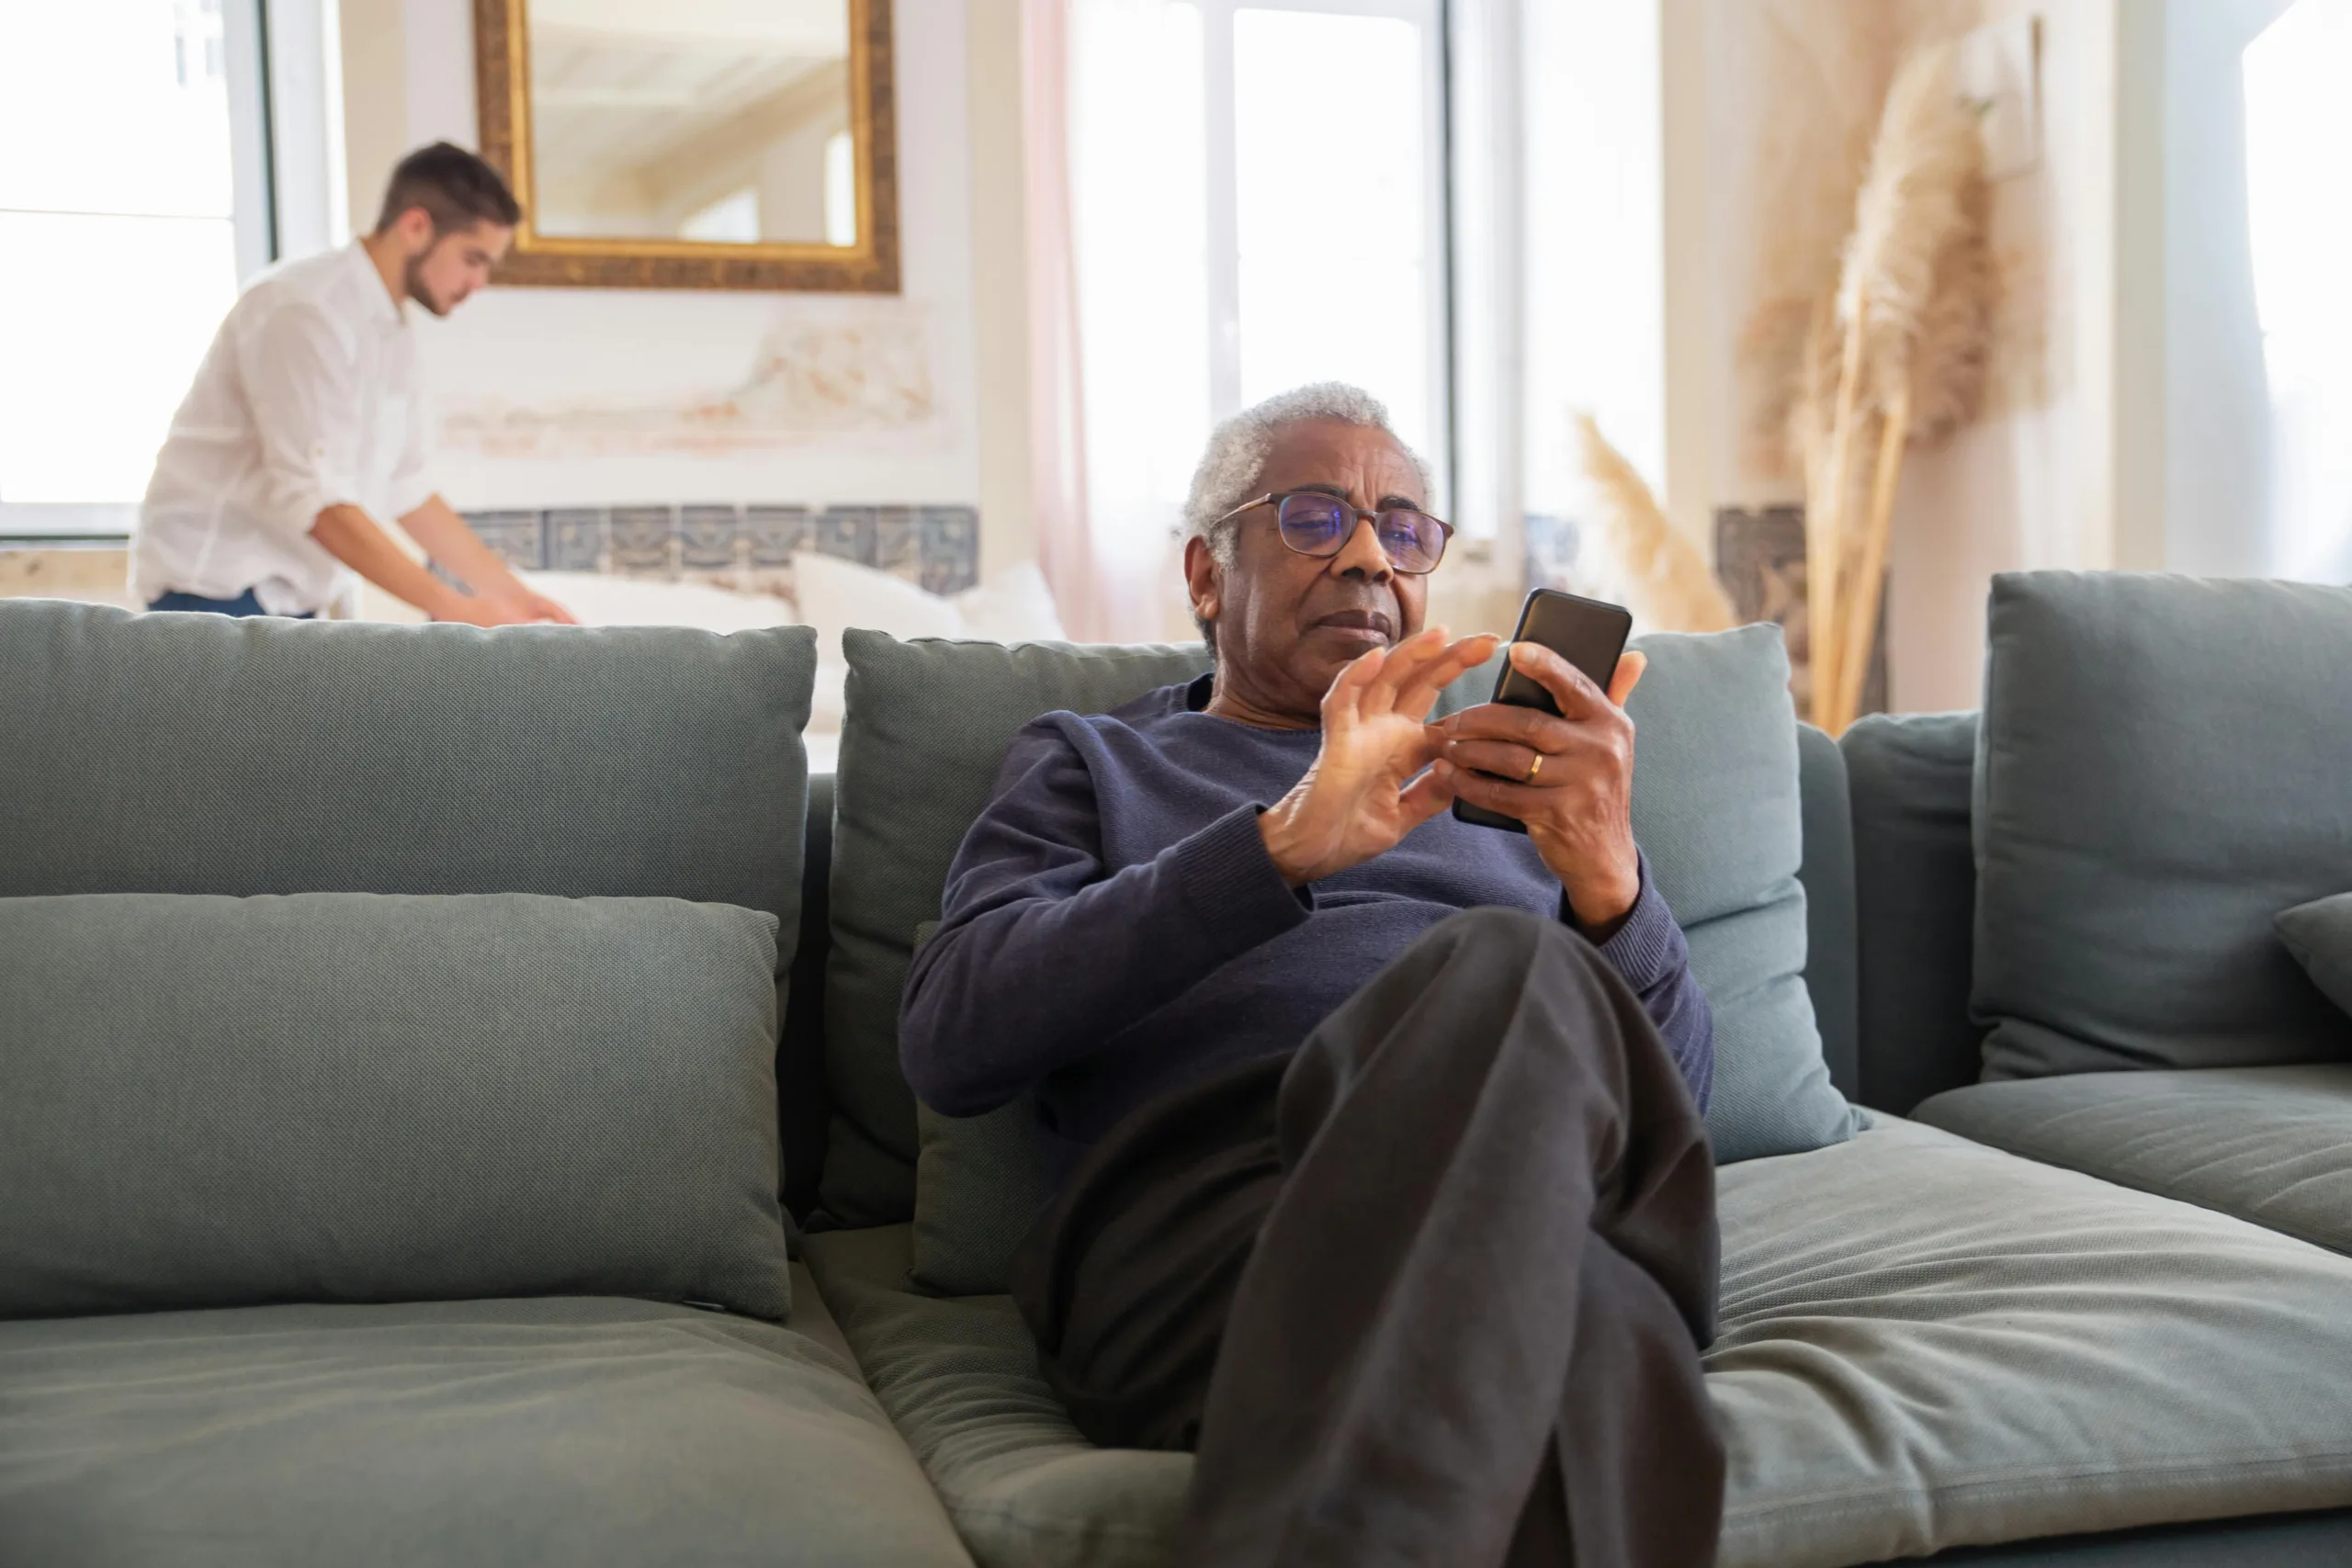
column 1569, row 778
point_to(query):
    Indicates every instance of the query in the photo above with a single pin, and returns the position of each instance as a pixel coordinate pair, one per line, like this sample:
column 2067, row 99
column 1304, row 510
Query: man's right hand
column 1361, row 796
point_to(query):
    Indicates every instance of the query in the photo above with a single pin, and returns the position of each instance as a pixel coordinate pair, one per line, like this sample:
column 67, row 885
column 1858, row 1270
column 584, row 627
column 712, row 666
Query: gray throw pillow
column 2163, row 767
column 2319, row 936
column 216, row 1101
column 1716, row 810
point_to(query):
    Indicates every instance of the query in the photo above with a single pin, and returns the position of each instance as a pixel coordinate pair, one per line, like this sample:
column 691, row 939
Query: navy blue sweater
column 1114, row 928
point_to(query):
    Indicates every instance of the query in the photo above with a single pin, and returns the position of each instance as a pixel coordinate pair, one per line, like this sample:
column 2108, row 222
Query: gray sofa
column 383, row 1254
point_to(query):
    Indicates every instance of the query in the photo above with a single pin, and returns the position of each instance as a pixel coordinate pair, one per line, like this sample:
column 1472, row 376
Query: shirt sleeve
column 1040, row 956
column 1649, row 952
column 301, row 383
column 412, row 483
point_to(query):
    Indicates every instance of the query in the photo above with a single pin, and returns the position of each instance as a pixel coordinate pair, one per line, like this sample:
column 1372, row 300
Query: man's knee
column 1515, row 941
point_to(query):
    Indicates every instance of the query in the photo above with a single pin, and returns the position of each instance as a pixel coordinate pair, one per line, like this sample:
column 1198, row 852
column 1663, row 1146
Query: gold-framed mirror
column 694, row 144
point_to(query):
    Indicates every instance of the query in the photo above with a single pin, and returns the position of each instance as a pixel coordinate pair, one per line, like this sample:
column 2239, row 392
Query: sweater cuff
column 1231, row 886
column 1648, row 948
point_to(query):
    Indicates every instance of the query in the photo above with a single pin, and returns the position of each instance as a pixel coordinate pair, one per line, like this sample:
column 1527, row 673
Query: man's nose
column 1361, row 555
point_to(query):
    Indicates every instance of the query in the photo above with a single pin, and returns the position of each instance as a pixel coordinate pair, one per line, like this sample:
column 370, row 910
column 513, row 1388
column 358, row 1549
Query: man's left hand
column 1569, row 778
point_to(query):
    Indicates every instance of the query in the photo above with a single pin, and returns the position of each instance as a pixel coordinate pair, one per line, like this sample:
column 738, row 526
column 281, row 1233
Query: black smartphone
column 1589, row 633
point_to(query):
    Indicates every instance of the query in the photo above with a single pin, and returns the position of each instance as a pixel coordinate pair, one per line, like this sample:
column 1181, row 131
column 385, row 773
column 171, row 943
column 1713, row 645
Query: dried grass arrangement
column 1896, row 356
column 1638, row 558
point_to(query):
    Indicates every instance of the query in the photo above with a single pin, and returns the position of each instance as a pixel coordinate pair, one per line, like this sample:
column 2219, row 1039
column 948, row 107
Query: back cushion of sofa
column 1715, row 808
column 927, row 729
column 175, row 753
column 1915, row 893
column 352, row 1097
column 2162, row 769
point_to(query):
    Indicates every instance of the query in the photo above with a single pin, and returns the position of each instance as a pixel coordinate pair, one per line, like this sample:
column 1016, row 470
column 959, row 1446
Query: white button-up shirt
column 308, row 398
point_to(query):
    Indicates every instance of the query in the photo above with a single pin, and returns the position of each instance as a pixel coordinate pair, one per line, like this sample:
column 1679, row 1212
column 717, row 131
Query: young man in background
column 305, row 427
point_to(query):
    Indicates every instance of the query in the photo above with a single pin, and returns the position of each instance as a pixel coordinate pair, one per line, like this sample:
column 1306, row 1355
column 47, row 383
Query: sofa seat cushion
column 2270, row 1144
column 1929, row 1343
column 959, row 1375
column 578, row 1430
column 1926, row 1343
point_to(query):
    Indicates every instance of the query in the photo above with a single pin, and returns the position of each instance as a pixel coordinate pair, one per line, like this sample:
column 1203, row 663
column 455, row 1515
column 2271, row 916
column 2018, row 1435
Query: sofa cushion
column 354, row 1097
column 2163, row 770
column 580, row 1431
column 1924, row 1343
column 927, row 729
column 1827, row 872
column 1927, row 1343
column 2319, row 936
column 168, row 753
column 1914, row 897
column 960, row 1377
column 2270, row 1144
column 1716, row 810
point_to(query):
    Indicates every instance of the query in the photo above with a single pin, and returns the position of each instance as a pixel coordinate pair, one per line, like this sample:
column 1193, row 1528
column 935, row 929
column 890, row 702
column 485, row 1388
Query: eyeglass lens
column 1322, row 524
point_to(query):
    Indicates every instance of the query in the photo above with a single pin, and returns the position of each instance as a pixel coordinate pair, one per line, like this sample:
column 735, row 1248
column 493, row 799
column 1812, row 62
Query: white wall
column 2029, row 485
column 615, row 349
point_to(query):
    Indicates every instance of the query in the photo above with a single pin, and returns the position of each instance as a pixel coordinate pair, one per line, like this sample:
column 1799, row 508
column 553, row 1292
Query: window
column 1258, row 194
column 120, row 240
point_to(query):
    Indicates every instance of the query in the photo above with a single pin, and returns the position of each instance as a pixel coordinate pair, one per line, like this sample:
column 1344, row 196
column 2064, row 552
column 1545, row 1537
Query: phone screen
column 1589, row 633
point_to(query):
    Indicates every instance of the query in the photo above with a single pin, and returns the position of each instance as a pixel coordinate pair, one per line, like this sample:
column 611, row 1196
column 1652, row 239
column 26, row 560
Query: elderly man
column 1384, row 1183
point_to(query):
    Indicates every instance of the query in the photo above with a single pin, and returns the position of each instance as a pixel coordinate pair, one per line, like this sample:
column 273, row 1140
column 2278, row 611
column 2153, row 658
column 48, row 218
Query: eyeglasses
column 1313, row 523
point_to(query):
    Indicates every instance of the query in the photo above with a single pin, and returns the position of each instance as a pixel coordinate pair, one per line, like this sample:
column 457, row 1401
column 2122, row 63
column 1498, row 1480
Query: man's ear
column 416, row 230
column 1204, row 578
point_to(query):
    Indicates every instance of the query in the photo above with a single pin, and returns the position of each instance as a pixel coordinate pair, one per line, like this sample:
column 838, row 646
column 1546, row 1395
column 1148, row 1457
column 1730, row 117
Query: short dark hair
column 455, row 188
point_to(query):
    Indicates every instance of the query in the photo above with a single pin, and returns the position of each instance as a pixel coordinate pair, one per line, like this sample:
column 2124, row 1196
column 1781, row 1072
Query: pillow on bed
column 214, row 1101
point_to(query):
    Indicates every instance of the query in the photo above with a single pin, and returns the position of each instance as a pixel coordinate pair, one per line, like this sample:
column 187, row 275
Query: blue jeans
column 243, row 604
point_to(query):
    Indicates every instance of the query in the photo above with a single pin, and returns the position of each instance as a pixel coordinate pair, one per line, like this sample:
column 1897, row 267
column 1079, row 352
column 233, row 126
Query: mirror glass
column 723, row 121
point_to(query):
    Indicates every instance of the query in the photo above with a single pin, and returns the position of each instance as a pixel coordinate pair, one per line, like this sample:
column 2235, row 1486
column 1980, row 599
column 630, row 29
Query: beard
column 413, row 284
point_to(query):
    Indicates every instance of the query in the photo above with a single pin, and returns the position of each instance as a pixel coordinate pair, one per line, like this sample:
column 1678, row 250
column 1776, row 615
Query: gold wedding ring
column 1533, row 768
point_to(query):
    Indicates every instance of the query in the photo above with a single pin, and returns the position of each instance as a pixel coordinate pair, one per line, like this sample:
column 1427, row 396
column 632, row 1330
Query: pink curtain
column 1057, row 410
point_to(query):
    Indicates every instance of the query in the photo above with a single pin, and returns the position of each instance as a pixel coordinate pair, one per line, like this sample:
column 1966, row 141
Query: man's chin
column 1352, row 642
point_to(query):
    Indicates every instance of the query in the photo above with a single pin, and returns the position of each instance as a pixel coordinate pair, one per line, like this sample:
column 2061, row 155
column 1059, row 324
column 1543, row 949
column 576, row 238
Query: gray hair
column 1236, row 453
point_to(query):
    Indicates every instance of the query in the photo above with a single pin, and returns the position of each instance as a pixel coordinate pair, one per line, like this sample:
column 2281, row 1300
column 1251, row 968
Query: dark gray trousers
column 1430, row 1292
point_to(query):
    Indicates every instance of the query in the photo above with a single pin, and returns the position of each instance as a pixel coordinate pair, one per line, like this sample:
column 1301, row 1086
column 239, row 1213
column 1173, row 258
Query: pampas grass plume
column 1911, row 206
column 1638, row 558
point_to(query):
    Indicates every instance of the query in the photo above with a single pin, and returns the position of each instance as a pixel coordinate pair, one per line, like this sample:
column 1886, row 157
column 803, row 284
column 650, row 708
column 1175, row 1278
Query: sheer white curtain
column 1056, row 421
column 1137, row 181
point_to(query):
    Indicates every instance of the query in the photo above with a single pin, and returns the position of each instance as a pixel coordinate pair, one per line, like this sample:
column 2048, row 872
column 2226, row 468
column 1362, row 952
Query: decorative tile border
column 938, row 546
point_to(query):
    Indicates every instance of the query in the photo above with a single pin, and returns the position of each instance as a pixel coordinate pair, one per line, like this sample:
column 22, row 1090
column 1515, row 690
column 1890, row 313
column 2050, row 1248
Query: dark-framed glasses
column 1313, row 523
